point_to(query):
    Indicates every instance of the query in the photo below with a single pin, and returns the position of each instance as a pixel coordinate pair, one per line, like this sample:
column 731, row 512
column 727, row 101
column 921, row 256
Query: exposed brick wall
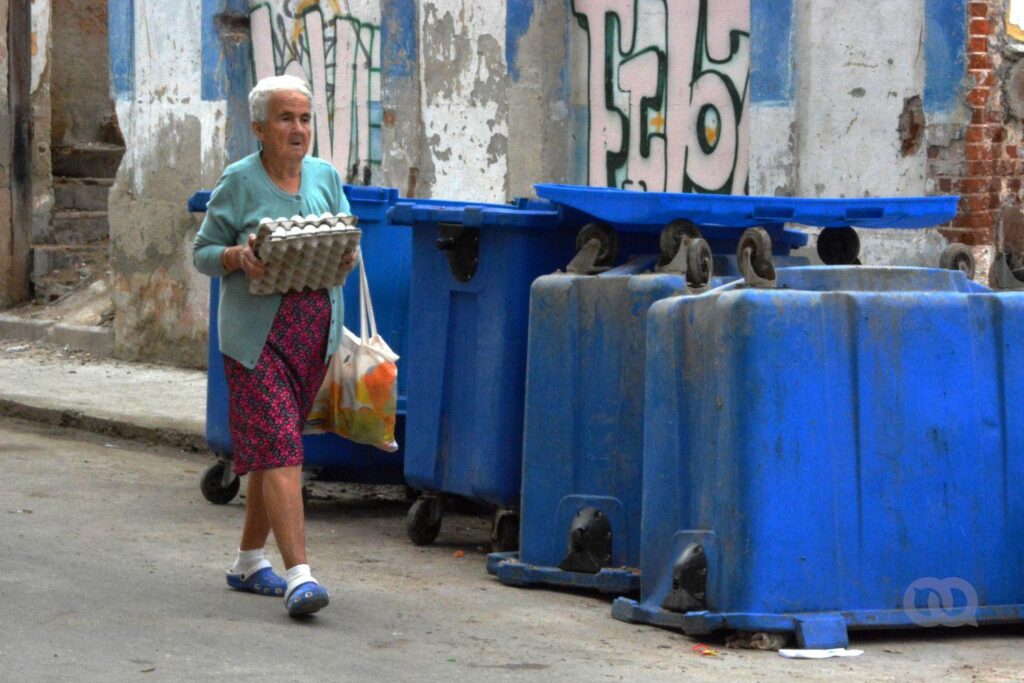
column 979, row 159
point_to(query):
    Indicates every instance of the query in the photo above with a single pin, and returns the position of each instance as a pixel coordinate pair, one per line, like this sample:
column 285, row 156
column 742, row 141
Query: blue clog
column 306, row 599
column 263, row 582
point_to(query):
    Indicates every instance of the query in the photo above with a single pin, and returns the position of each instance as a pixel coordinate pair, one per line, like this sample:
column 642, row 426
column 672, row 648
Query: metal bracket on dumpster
column 462, row 247
column 689, row 581
column 585, row 260
column 754, row 258
column 1004, row 274
column 597, row 246
column 590, row 543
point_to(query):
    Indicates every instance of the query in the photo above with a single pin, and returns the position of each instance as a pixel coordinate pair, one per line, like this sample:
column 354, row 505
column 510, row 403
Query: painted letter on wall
column 668, row 93
column 338, row 53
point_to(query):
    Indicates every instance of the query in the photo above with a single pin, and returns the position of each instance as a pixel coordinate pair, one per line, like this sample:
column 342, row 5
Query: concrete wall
column 175, row 143
column 80, row 82
column 10, row 289
column 846, row 97
column 42, row 182
column 480, row 99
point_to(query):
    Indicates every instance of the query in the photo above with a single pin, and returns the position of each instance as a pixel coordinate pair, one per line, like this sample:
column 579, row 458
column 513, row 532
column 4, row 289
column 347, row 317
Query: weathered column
column 15, row 151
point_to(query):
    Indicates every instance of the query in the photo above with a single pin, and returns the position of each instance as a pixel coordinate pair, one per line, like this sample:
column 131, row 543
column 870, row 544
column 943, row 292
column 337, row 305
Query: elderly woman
column 275, row 347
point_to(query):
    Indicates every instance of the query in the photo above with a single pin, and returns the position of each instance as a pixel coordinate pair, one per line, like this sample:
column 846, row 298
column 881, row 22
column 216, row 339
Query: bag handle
column 367, row 321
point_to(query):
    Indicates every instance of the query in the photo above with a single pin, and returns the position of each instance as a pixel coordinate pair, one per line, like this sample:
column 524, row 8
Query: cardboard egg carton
column 303, row 252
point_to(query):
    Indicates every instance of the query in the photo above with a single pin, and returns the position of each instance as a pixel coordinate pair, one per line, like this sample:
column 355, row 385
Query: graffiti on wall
column 338, row 54
column 668, row 93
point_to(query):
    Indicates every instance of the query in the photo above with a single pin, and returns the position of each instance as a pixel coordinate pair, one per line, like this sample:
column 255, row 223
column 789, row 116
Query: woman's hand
column 348, row 260
column 244, row 258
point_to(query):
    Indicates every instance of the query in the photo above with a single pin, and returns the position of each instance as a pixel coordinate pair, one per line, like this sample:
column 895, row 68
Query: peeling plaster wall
column 858, row 64
column 539, row 121
column 837, row 105
column 464, row 99
column 6, row 236
column 175, row 144
column 401, row 122
column 82, row 110
column 42, row 181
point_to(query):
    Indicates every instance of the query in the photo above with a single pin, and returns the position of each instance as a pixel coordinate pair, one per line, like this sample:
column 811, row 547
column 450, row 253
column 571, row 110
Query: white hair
column 259, row 96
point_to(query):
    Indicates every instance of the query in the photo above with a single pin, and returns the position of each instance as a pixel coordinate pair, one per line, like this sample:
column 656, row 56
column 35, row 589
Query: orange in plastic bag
column 359, row 396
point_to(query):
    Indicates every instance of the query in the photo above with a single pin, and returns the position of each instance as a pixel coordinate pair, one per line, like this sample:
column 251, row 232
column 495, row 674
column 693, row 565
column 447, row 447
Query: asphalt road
column 111, row 568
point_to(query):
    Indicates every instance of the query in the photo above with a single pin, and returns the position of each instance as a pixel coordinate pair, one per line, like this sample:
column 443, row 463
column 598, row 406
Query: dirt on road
column 111, row 568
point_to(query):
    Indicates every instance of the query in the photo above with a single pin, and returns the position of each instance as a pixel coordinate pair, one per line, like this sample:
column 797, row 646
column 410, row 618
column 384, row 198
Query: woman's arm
column 210, row 248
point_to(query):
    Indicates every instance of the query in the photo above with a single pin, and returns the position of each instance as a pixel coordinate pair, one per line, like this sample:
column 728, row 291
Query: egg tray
column 303, row 252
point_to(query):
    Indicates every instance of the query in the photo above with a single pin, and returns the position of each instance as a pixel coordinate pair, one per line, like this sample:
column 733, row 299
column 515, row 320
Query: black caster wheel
column 505, row 532
column 699, row 263
column 958, row 257
column 755, row 248
column 606, row 236
column 839, row 247
column 212, row 484
column 423, row 522
column 672, row 237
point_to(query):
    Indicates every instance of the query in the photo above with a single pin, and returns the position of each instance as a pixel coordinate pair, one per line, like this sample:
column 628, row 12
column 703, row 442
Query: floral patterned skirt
column 268, row 405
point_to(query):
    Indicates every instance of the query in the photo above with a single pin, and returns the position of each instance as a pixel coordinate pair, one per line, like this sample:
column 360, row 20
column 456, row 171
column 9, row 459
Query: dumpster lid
column 740, row 211
column 522, row 214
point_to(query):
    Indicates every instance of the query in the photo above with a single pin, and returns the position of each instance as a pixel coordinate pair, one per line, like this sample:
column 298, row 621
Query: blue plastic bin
column 472, row 269
column 583, row 429
column 833, row 454
column 387, row 250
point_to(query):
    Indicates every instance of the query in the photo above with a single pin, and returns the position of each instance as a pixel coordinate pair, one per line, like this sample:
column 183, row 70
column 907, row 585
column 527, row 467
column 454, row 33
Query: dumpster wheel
column 505, row 531
column 213, row 485
column 699, row 263
column 423, row 522
column 958, row 256
column 839, row 247
column 672, row 236
column 754, row 257
column 604, row 234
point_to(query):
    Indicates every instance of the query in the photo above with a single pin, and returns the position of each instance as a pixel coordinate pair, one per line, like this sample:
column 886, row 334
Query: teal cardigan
column 245, row 194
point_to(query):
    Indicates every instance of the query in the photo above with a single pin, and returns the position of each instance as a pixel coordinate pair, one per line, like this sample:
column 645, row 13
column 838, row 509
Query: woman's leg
column 257, row 523
column 282, row 501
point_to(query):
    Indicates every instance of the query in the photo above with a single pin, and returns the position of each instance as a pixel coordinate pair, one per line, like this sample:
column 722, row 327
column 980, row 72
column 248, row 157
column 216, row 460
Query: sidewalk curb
column 98, row 341
column 75, row 419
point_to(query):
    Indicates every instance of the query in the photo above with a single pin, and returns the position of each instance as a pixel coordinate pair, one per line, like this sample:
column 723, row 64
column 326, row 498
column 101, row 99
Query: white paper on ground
column 820, row 654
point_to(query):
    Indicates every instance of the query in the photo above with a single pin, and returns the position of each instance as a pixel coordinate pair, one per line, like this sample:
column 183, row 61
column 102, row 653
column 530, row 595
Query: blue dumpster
column 472, row 269
column 387, row 250
column 838, row 452
column 583, row 428
column 583, row 433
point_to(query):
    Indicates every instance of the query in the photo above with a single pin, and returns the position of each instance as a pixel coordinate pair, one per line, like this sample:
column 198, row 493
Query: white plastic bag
column 359, row 396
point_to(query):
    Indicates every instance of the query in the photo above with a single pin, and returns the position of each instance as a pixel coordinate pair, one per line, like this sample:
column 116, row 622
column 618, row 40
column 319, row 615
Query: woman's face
column 286, row 133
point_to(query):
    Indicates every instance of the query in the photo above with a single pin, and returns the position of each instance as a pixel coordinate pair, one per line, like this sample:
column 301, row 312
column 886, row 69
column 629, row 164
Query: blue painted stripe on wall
column 518, row 14
column 121, row 45
column 398, row 38
column 944, row 53
column 213, row 77
column 238, row 72
column 771, row 62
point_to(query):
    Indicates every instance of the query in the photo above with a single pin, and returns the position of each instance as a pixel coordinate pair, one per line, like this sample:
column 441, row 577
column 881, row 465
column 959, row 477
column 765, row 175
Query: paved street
column 111, row 569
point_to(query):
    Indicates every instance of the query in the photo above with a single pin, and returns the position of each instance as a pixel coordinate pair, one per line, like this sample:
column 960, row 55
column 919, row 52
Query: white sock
column 249, row 562
column 296, row 576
